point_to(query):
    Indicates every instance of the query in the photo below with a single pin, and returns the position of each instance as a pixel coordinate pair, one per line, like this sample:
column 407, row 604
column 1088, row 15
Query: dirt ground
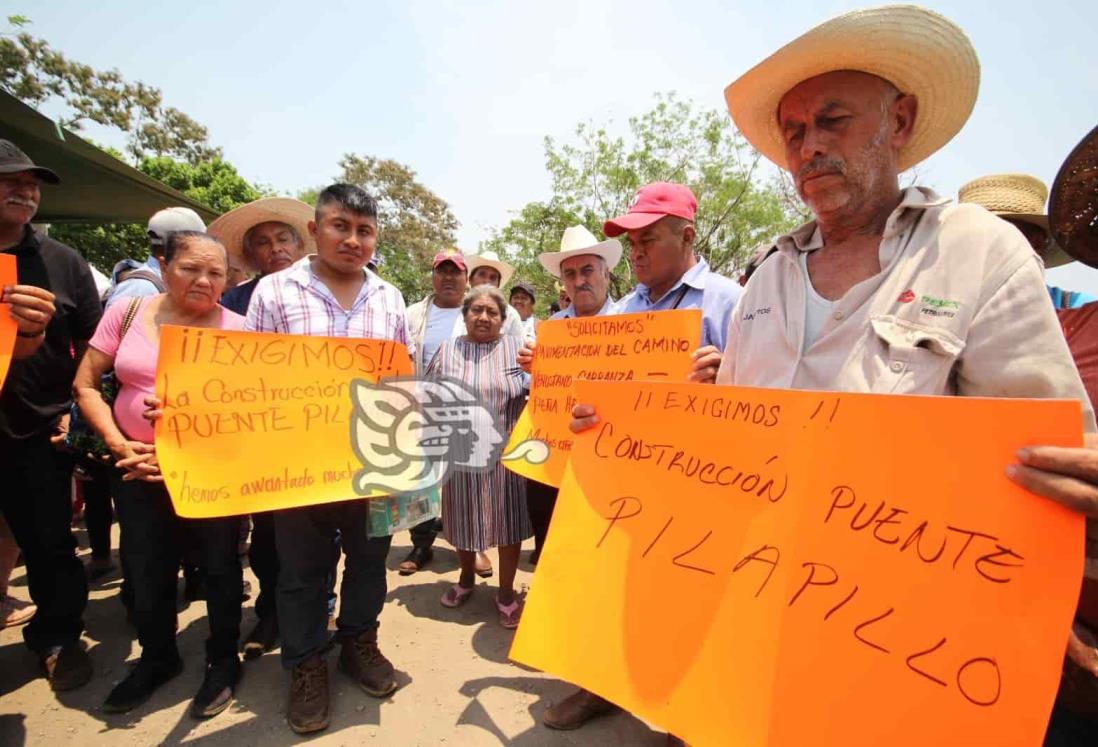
column 457, row 685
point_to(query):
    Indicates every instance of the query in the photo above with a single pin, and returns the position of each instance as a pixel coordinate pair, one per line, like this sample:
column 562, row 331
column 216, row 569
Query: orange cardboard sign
column 787, row 568
column 257, row 422
column 620, row 347
column 8, row 327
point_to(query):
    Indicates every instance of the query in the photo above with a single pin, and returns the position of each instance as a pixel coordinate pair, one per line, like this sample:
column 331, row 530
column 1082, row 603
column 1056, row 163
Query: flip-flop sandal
column 456, row 596
column 509, row 614
column 483, row 571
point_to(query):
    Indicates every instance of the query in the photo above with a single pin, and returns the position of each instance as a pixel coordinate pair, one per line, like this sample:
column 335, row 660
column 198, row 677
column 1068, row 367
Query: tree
column 413, row 223
column 34, row 72
column 215, row 183
column 595, row 177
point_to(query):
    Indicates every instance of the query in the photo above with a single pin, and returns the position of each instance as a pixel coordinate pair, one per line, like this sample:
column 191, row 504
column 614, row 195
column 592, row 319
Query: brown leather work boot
column 576, row 710
column 67, row 667
column 362, row 661
column 307, row 710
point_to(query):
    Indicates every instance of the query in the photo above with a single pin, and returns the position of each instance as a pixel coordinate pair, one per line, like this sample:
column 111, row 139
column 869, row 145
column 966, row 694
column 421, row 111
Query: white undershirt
column 817, row 309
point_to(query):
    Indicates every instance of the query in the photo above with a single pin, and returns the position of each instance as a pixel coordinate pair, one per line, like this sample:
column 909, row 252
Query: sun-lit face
column 484, row 319
column 523, row 303
column 448, row 281
column 842, row 130
column 587, row 280
column 195, row 277
column 485, row 275
column 345, row 241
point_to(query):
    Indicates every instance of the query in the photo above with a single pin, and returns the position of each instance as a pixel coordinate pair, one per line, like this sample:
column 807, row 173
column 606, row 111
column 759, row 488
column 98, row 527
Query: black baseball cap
column 525, row 288
column 13, row 161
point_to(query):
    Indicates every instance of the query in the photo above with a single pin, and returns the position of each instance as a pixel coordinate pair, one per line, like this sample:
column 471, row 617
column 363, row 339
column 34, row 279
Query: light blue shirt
column 440, row 327
column 714, row 294
column 570, row 312
column 133, row 287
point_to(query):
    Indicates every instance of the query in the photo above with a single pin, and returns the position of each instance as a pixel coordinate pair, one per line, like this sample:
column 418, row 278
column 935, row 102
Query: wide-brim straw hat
column 1015, row 197
column 1073, row 202
column 490, row 259
column 918, row 51
column 230, row 228
column 577, row 241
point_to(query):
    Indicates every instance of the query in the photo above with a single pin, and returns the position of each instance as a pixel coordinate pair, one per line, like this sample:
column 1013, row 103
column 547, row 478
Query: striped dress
column 484, row 510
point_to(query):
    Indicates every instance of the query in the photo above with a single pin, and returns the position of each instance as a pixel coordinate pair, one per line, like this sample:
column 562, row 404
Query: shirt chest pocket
column 906, row 358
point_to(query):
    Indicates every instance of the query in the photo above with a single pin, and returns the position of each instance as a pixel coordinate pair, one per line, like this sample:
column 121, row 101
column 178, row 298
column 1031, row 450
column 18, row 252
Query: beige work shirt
column 958, row 308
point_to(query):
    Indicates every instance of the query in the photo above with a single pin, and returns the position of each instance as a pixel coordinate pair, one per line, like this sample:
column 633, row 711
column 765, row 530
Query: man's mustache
column 821, row 165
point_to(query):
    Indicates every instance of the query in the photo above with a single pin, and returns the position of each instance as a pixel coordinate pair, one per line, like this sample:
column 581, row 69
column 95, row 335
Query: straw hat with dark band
column 230, row 228
column 1073, row 203
column 1015, row 197
column 918, row 51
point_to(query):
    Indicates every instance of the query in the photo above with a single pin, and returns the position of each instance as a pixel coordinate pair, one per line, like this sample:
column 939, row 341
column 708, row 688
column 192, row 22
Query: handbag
column 81, row 437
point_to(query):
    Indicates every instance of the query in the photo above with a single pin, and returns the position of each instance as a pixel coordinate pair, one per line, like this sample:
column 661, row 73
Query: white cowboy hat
column 1015, row 197
column 918, row 51
column 230, row 228
column 578, row 240
column 490, row 259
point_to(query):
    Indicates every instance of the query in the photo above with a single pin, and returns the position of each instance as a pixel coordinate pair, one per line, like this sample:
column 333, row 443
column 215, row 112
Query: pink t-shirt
column 135, row 364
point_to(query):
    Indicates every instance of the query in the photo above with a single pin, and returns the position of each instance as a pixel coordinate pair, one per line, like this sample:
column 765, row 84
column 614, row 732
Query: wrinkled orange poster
column 8, row 327
column 765, row 567
column 257, row 422
column 619, row 347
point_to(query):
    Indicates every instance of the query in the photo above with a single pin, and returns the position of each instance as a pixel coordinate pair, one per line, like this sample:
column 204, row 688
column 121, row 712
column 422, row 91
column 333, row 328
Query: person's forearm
column 25, row 347
column 99, row 416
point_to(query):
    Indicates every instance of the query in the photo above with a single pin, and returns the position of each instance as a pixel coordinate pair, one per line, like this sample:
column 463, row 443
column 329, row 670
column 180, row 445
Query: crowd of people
column 844, row 299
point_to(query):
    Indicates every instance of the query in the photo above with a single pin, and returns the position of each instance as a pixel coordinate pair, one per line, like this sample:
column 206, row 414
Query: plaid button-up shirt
column 296, row 302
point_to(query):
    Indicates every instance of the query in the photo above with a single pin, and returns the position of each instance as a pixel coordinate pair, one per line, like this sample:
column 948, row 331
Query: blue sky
column 464, row 93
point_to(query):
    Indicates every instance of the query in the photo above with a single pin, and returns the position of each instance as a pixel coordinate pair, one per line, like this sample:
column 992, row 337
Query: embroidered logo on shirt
column 907, row 296
column 939, row 307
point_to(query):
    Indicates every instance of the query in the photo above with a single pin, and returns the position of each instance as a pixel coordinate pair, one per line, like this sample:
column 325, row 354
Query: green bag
column 395, row 513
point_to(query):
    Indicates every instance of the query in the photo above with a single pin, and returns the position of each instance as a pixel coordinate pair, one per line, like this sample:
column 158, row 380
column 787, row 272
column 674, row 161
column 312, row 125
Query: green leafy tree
column 413, row 225
column 595, row 175
column 215, row 183
column 36, row 73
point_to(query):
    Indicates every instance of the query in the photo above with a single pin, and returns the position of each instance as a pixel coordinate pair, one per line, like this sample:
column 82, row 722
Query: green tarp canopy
column 95, row 186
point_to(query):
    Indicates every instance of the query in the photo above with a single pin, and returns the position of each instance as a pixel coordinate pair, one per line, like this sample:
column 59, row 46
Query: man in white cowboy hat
column 265, row 236
column 488, row 269
column 1019, row 199
column 887, row 290
column 660, row 226
column 131, row 278
column 583, row 266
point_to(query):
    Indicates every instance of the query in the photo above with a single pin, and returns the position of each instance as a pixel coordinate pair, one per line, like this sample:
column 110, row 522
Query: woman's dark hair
column 178, row 240
column 484, row 290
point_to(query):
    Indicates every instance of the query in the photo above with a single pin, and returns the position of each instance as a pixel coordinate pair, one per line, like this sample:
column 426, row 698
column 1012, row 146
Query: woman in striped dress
column 485, row 509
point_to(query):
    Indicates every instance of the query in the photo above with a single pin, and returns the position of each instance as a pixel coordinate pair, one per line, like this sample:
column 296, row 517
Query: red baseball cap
column 450, row 255
column 652, row 202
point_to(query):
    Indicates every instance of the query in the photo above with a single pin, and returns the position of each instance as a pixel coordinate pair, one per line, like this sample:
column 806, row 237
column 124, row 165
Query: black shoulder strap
column 679, row 295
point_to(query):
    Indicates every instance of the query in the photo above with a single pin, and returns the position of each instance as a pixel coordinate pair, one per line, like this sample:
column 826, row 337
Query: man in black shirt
column 56, row 308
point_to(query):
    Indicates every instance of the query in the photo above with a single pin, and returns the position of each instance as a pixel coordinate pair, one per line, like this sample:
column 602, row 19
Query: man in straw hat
column 1019, row 199
column 487, row 268
column 265, row 236
column 887, row 290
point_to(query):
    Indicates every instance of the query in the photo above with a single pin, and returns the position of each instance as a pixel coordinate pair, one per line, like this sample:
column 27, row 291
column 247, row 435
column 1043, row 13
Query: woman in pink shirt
column 128, row 340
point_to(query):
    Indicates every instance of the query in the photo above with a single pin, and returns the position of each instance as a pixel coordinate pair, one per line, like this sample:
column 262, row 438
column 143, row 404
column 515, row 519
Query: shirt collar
column 695, row 277
column 570, row 312
column 29, row 243
column 301, row 272
column 913, row 201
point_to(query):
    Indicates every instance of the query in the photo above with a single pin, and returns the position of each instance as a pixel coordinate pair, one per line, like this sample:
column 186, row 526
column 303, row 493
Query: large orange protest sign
column 8, row 327
column 767, row 567
column 258, row 422
column 620, row 347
